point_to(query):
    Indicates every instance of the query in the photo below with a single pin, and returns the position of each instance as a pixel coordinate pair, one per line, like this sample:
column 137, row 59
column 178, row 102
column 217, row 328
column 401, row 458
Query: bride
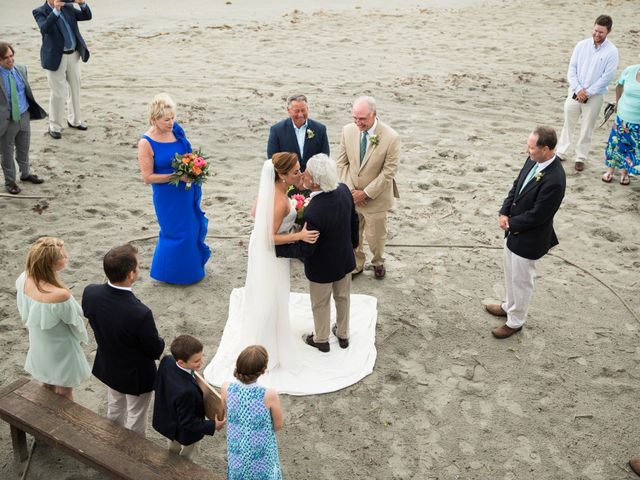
column 265, row 313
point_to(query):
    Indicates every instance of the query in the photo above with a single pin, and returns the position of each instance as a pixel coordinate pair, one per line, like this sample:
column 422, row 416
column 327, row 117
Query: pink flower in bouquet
column 199, row 162
column 300, row 200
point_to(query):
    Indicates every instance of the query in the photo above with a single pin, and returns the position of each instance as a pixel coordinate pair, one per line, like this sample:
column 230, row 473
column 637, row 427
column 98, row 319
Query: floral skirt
column 623, row 149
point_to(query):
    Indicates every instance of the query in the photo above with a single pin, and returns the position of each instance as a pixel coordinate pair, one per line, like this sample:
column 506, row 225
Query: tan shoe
column 504, row 331
column 495, row 309
column 634, row 463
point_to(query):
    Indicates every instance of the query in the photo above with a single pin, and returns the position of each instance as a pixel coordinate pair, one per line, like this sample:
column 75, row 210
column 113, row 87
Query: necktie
column 363, row 146
column 529, row 177
column 15, row 106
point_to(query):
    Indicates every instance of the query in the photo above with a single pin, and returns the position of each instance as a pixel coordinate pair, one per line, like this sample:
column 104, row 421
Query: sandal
column 607, row 177
column 624, row 180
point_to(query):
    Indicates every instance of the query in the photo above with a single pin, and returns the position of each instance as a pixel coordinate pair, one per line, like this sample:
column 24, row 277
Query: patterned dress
column 252, row 451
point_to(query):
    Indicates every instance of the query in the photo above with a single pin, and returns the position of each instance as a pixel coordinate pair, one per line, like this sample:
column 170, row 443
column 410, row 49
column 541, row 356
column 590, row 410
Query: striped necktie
column 363, row 146
column 532, row 172
column 15, row 106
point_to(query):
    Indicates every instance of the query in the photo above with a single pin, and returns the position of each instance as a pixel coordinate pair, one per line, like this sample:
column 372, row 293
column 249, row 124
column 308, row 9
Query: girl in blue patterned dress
column 254, row 415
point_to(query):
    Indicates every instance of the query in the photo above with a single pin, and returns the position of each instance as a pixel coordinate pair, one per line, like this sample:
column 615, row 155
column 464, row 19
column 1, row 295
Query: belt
column 68, row 52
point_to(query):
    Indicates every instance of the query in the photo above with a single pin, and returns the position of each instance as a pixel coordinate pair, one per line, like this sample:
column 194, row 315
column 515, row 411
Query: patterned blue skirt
column 623, row 149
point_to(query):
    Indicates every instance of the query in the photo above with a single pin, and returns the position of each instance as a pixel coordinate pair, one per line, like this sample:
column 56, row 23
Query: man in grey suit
column 17, row 108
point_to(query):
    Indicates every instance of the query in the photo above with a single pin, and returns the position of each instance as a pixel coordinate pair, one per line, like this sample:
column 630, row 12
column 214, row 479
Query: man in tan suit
column 367, row 163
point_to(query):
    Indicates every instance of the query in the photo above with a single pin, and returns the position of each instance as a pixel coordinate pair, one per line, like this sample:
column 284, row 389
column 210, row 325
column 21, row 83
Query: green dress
column 55, row 332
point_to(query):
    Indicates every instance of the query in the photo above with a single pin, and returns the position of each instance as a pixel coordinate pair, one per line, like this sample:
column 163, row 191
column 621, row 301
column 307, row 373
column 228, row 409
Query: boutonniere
column 310, row 134
column 539, row 176
column 374, row 139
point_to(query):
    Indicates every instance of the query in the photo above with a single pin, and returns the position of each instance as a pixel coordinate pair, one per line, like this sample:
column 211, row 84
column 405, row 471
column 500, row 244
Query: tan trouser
column 68, row 73
column 130, row 411
column 373, row 226
column 320, row 294
column 187, row 451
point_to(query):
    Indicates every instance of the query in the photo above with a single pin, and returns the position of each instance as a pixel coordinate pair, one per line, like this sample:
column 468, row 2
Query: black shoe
column 33, row 179
column 81, row 126
column 12, row 188
column 323, row 347
column 343, row 342
column 56, row 135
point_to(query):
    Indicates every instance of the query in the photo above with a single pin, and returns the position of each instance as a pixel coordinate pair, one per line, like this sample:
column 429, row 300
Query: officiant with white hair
column 328, row 263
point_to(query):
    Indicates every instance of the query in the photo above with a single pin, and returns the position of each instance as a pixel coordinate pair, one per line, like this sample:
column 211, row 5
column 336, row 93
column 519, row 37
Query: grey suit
column 16, row 135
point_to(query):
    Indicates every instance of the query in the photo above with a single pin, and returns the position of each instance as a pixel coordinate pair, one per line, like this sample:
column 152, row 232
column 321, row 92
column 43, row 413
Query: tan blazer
column 378, row 169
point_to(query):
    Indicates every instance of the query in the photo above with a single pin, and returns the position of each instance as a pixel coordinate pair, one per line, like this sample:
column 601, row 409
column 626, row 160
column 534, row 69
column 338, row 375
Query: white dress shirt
column 300, row 134
column 592, row 68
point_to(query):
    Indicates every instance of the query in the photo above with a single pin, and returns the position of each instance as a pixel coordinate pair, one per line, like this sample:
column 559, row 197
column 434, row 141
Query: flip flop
column 607, row 177
column 624, row 180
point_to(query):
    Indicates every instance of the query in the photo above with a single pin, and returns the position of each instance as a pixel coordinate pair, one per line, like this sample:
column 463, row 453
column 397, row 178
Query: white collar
column 129, row 289
column 372, row 130
column 190, row 372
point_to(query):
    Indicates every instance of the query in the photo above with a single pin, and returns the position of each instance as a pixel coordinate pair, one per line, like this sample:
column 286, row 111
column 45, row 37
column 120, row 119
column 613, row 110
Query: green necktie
column 363, row 146
column 529, row 177
column 15, row 106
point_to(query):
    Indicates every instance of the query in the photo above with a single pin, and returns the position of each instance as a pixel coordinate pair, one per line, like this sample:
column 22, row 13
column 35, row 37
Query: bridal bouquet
column 190, row 165
column 301, row 202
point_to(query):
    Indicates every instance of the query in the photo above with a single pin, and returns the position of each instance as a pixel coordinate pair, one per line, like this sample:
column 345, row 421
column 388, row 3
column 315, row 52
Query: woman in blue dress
column 181, row 253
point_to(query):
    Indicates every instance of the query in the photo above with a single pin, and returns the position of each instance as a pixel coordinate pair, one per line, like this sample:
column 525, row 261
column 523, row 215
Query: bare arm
column 619, row 91
column 279, row 212
column 272, row 402
column 145, row 160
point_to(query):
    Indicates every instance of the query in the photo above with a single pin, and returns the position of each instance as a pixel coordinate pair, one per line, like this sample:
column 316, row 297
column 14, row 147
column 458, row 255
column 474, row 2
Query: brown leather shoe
column 495, row 309
column 343, row 342
column 504, row 331
column 379, row 271
column 579, row 166
column 634, row 463
column 323, row 347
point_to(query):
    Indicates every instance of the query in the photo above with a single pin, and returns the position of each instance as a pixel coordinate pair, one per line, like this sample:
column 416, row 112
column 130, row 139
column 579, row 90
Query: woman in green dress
column 53, row 318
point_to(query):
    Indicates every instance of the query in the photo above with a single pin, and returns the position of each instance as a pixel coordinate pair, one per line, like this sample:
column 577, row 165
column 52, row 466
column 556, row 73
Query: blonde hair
column 161, row 104
column 41, row 259
column 251, row 363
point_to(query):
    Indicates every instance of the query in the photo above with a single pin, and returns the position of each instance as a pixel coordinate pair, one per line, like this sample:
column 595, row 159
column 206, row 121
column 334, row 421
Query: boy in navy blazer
column 178, row 410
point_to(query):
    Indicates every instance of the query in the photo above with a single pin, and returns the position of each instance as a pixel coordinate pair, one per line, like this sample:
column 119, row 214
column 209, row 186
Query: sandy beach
column 463, row 86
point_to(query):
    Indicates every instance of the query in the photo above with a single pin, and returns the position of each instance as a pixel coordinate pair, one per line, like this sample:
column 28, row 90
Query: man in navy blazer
column 62, row 49
column 526, row 217
column 127, row 338
column 298, row 133
column 328, row 263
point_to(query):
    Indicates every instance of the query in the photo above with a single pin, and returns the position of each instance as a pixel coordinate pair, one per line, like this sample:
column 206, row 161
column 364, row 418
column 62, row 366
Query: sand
column 463, row 86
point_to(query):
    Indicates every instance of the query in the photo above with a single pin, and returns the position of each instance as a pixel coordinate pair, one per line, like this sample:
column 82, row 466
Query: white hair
column 323, row 171
column 370, row 101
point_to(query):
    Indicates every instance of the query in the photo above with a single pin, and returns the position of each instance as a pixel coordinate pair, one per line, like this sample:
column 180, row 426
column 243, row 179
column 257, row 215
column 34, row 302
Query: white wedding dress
column 263, row 312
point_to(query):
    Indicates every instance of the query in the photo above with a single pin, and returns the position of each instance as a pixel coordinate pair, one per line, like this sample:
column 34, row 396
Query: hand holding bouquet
column 301, row 202
column 189, row 167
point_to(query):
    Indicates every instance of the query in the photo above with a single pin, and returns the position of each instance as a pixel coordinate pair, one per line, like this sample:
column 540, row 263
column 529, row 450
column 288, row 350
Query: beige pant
column 64, row 84
column 320, row 294
column 373, row 226
column 130, row 411
column 187, row 451
column 588, row 113
column 519, row 273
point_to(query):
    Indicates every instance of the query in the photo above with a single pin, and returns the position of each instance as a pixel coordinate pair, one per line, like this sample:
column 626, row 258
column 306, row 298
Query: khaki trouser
column 320, row 294
column 68, row 73
column 373, row 227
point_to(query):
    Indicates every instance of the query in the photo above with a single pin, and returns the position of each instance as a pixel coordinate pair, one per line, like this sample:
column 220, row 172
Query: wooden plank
column 92, row 439
column 19, row 442
column 13, row 386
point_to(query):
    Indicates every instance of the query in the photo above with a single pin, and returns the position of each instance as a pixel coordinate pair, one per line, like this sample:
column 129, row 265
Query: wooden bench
column 120, row 453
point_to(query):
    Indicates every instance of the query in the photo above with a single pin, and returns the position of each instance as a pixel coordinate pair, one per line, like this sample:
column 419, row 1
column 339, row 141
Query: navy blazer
column 127, row 338
column 334, row 215
column 178, row 408
column 531, row 211
column 282, row 138
column 52, row 39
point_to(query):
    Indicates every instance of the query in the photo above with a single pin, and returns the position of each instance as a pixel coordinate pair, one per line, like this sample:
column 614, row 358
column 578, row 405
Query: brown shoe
column 495, row 309
column 504, row 331
column 634, row 463
column 579, row 166
column 323, row 346
column 379, row 271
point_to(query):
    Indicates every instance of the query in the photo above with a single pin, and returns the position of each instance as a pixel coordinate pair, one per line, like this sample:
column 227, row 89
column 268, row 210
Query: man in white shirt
column 592, row 66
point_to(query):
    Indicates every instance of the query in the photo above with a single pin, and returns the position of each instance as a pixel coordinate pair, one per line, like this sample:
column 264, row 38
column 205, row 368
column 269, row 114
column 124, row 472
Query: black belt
column 68, row 52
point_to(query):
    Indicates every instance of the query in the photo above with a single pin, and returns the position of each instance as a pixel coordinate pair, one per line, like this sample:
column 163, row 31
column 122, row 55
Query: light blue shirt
column 20, row 87
column 300, row 135
column 629, row 102
column 70, row 37
column 592, row 68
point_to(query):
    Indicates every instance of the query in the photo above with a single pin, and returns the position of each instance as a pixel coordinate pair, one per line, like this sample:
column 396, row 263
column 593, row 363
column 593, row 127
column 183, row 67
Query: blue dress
column 181, row 253
column 252, row 450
